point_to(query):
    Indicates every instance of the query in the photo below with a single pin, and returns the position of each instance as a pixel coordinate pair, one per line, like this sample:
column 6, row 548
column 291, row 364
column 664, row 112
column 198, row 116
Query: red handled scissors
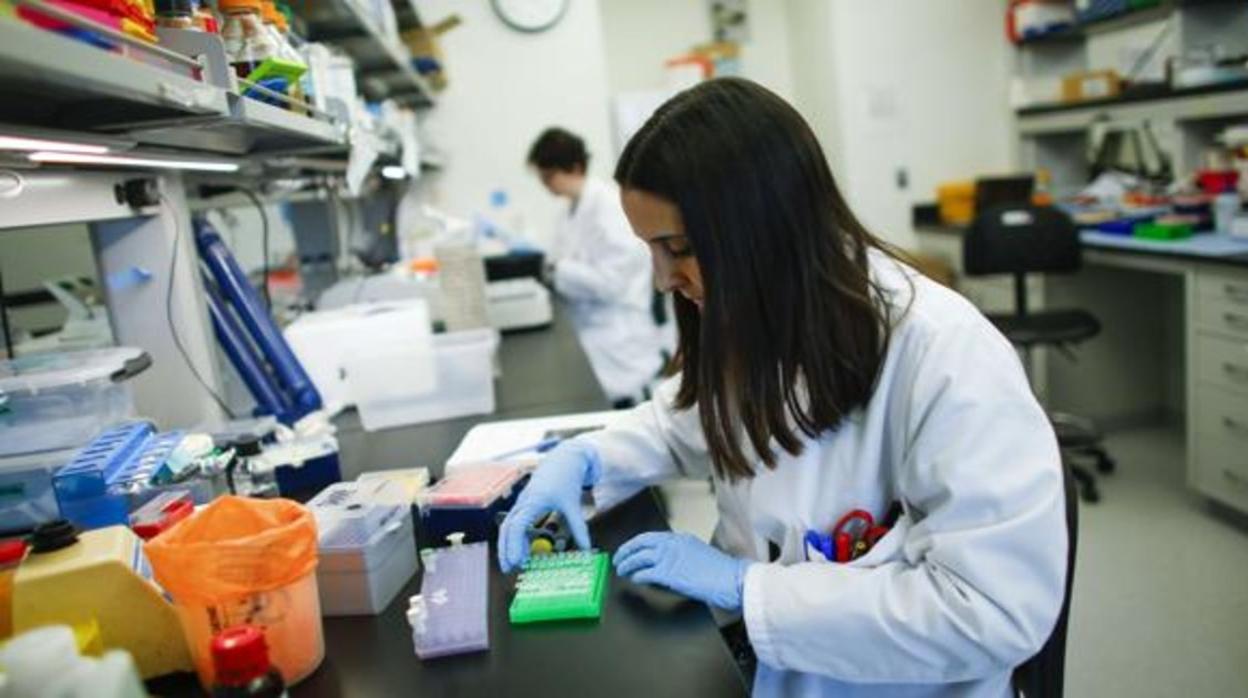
column 856, row 533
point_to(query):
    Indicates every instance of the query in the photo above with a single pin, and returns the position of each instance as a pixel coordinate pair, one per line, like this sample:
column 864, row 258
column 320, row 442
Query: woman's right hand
column 556, row 485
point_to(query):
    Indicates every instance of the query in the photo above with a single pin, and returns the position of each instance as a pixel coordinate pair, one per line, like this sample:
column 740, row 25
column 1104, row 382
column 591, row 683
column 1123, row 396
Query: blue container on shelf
column 1094, row 10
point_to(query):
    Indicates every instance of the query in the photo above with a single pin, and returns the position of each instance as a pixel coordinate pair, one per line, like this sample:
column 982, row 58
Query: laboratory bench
column 1173, row 346
column 647, row 642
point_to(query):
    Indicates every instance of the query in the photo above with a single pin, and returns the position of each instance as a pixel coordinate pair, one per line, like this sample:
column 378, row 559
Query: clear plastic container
column 51, row 402
column 366, row 546
column 247, row 42
column 464, row 370
column 176, row 14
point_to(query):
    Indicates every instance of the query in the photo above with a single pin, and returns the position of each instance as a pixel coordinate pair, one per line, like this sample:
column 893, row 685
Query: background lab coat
column 967, row 586
column 603, row 270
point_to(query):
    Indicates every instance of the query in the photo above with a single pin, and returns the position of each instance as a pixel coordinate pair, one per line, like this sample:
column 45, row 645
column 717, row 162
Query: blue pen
column 541, row 447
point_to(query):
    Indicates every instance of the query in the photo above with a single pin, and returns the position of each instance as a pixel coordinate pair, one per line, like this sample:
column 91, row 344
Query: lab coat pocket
column 886, row 549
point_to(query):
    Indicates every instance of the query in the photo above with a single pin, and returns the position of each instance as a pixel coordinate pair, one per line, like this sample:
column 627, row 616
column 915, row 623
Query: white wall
column 641, row 34
column 505, row 87
column 919, row 86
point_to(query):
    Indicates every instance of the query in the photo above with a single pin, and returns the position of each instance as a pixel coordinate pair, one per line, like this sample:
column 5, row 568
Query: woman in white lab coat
column 819, row 375
column 601, row 269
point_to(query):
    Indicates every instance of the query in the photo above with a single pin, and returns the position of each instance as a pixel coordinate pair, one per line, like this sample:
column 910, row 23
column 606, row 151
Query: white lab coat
column 603, row 271
column 969, row 583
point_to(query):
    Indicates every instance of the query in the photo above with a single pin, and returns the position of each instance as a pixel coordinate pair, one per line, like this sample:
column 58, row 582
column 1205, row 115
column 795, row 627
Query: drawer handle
column 1235, row 370
column 1234, row 477
column 1239, row 294
column 1235, row 320
column 1235, row 425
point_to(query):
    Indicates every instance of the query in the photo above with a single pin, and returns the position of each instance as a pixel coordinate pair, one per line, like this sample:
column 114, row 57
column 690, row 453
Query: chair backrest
column 1021, row 238
column 1044, row 675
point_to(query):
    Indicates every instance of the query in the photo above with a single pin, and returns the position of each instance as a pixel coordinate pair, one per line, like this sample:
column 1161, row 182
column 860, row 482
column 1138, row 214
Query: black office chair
column 1019, row 239
column 1044, row 675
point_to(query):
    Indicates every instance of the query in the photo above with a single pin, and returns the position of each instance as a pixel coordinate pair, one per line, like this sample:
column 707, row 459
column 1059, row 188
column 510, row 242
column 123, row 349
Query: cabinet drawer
column 1232, row 288
column 1222, row 315
column 1222, row 362
column 1221, row 472
column 1222, row 418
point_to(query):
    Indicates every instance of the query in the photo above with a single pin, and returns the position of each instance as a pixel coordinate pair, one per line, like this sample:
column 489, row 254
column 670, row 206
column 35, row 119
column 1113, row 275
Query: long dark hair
column 793, row 332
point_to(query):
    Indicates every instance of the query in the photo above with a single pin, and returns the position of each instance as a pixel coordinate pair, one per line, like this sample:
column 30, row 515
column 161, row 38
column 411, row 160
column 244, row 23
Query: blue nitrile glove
column 685, row 565
column 555, row 486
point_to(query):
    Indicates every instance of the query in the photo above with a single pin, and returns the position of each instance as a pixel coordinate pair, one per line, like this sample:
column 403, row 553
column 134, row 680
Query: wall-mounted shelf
column 1077, row 32
column 383, row 65
column 52, row 81
column 1207, row 102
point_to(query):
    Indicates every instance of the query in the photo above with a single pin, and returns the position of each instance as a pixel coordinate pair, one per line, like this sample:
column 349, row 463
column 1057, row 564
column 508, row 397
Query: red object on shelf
column 1217, row 181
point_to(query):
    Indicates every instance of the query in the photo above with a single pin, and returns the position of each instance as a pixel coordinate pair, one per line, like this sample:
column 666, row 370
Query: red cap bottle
column 241, row 658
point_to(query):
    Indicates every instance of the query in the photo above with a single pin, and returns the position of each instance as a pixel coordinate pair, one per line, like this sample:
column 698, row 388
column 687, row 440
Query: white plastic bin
column 367, row 546
column 388, row 338
column 51, row 402
column 463, row 377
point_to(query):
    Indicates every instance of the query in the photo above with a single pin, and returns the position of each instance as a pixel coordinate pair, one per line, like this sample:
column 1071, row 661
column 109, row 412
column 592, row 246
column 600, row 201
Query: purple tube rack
column 451, row 614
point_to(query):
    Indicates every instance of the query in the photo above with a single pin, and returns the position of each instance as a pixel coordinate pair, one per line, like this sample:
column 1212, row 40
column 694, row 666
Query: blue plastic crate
column 110, row 475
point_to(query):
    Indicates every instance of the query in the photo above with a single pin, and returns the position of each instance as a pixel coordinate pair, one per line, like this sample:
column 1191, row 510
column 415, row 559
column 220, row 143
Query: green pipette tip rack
column 561, row 586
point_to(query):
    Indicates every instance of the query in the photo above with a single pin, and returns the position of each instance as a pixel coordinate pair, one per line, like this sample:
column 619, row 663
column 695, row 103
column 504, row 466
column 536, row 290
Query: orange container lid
column 227, row 5
column 269, row 11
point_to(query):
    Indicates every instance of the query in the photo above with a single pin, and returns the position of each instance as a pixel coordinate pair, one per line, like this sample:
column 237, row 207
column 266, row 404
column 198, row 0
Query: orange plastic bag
column 245, row 561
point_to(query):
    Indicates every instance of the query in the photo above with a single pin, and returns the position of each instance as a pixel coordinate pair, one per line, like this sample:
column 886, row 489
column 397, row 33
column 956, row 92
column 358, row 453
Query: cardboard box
column 1092, row 84
column 424, row 46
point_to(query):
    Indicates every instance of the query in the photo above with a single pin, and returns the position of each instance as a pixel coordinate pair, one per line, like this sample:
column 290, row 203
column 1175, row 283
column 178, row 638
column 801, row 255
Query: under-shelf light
column 128, row 161
column 43, row 144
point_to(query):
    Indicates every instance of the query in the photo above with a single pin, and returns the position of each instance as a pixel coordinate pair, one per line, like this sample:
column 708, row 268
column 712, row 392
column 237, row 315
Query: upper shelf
column 1077, row 32
column 383, row 64
column 1206, row 102
column 52, row 81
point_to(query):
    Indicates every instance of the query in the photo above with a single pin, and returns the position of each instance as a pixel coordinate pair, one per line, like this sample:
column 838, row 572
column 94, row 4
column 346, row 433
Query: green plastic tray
column 561, row 586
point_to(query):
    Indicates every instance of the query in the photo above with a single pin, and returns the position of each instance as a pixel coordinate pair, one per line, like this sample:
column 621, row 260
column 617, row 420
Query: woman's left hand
column 685, row 565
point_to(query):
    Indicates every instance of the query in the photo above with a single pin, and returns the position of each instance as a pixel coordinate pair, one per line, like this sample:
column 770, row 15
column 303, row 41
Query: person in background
column 825, row 386
column 601, row 269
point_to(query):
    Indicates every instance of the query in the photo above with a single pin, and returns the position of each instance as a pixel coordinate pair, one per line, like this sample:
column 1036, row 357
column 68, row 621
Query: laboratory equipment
column 113, row 475
column 51, row 402
column 469, row 500
column 550, row 535
column 243, row 561
column 463, row 363
column 518, row 304
column 161, row 513
column 366, row 543
column 367, row 354
column 561, row 586
column 247, row 333
column 241, row 657
column 46, row 662
column 247, row 44
column 71, row 577
column 1164, row 228
column 408, row 483
column 450, row 614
